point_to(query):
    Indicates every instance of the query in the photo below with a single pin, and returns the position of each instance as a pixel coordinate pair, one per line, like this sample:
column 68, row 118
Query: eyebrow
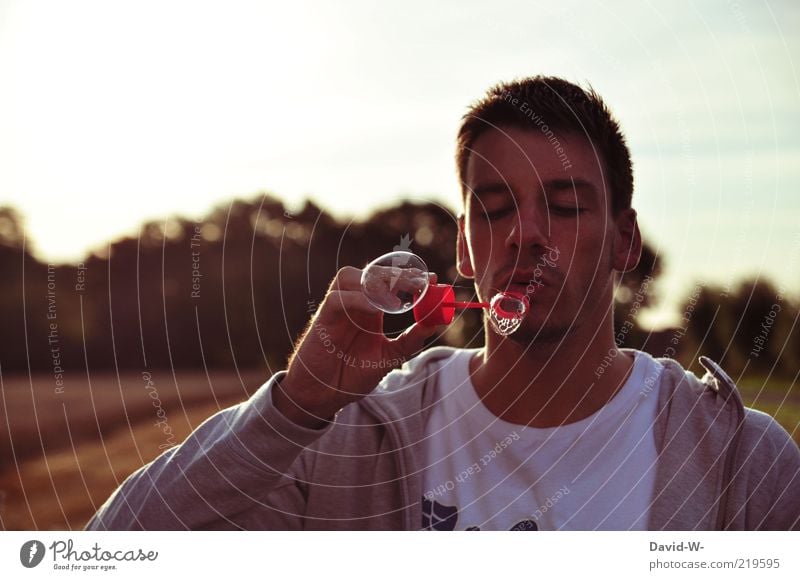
column 550, row 186
column 555, row 185
column 492, row 187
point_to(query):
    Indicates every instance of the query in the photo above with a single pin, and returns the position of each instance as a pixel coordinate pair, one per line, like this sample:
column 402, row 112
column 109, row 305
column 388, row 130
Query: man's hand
column 342, row 355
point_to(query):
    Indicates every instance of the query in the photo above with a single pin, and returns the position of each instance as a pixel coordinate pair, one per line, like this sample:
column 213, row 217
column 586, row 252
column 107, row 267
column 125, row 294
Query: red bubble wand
column 399, row 282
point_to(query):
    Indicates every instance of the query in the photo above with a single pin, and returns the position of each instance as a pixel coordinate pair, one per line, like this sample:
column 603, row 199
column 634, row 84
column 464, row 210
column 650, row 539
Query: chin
column 547, row 334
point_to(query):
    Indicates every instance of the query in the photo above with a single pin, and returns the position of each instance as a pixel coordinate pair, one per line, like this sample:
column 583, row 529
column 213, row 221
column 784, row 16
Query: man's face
column 538, row 222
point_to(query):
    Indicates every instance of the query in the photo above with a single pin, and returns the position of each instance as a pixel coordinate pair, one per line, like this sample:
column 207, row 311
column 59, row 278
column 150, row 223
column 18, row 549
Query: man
column 551, row 427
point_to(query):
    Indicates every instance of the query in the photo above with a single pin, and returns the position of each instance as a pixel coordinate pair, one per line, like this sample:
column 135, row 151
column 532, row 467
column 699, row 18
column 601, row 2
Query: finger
column 412, row 341
column 409, row 284
column 348, row 303
column 393, row 273
column 347, row 278
column 378, row 289
column 414, row 277
column 385, row 283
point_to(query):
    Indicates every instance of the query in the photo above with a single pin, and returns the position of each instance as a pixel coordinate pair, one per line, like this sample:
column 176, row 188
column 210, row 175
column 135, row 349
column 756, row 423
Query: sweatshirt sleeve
column 232, row 472
column 773, row 494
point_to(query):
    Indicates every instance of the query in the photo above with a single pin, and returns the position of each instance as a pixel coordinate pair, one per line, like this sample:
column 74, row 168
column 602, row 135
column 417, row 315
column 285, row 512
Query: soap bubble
column 506, row 311
column 395, row 282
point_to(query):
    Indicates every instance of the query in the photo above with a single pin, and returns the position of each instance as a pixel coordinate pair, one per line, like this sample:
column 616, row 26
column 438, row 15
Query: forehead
column 523, row 160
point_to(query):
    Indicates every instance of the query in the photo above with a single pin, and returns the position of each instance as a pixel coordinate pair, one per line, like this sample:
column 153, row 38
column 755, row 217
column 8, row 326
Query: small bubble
column 506, row 312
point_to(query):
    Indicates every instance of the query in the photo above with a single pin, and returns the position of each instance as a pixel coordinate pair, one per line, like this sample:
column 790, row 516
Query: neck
column 554, row 384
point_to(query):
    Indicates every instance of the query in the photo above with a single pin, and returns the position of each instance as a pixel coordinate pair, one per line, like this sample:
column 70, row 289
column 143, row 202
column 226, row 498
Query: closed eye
column 566, row 210
column 499, row 213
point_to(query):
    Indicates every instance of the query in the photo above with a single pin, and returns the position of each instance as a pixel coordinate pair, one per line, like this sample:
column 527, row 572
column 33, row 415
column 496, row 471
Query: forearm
column 228, row 465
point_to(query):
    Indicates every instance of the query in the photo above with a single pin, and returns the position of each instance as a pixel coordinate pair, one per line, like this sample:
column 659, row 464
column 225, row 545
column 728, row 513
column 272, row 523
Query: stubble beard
column 549, row 335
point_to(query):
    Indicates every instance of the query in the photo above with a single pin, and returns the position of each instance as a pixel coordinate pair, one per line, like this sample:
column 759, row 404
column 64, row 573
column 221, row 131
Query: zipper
column 394, row 438
column 370, row 406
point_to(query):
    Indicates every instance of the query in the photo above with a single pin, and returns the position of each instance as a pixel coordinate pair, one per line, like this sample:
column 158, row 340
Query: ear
column 627, row 247
column 463, row 261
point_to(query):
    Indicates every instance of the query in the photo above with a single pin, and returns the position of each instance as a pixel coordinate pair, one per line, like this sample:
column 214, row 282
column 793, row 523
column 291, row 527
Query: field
column 67, row 451
column 781, row 399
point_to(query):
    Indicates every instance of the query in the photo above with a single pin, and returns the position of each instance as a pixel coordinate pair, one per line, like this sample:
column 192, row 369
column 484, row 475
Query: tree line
column 238, row 287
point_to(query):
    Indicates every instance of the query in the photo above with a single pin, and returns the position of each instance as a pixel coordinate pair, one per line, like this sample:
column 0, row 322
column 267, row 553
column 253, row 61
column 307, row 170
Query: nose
column 531, row 227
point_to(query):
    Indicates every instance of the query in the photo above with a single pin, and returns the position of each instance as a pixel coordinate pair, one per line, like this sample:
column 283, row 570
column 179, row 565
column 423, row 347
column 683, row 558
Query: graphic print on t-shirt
column 436, row 516
column 443, row 518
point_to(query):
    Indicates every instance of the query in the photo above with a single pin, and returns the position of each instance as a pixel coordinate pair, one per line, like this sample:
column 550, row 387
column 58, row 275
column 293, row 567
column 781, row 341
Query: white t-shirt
column 485, row 473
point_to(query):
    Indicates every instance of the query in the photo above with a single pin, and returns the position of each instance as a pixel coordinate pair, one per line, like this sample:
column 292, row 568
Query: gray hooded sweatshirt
column 720, row 465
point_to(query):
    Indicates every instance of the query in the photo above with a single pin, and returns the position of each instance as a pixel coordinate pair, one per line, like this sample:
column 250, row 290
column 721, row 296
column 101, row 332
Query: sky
column 112, row 113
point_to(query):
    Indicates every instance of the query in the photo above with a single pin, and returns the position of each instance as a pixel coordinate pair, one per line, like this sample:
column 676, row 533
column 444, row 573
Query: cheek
column 483, row 243
column 593, row 240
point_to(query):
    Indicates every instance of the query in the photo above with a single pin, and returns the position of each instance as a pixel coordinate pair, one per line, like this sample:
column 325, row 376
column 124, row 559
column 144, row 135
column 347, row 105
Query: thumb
column 412, row 341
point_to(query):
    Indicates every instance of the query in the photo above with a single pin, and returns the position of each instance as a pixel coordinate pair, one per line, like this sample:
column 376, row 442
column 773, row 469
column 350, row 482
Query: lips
column 524, row 278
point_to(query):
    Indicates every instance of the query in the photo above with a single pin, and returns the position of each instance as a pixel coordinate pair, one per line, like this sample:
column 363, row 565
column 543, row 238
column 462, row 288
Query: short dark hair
column 547, row 104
